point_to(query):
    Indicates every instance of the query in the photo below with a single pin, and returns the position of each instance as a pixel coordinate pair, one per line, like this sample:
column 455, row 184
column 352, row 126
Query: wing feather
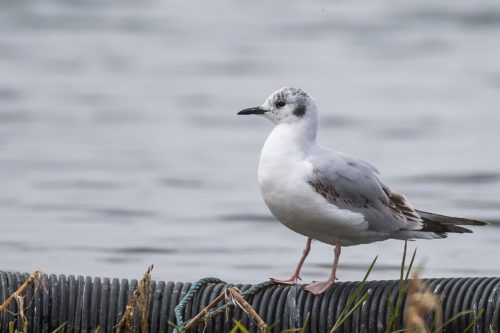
column 351, row 183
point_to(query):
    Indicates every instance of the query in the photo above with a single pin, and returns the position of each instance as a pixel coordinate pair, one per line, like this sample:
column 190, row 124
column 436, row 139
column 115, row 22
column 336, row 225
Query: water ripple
column 248, row 218
column 464, row 178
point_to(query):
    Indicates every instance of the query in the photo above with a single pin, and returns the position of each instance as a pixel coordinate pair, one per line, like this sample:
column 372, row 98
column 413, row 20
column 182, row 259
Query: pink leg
column 295, row 277
column 322, row 286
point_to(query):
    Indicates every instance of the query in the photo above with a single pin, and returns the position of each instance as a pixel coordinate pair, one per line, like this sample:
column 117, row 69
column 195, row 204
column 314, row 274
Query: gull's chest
column 283, row 185
column 279, row 180
column 283, row 166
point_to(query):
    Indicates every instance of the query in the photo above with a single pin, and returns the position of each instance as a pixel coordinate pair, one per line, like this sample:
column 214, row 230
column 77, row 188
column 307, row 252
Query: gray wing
column 351, row 183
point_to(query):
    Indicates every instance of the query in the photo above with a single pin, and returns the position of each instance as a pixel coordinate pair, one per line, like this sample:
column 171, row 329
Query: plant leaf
column 349, row 308
column 239, row 326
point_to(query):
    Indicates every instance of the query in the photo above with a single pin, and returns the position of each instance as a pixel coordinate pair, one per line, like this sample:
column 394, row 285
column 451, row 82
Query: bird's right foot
column 317, row 288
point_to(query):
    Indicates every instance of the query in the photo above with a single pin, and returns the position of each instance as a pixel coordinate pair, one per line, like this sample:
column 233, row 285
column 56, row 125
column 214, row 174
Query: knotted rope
column 183, row 327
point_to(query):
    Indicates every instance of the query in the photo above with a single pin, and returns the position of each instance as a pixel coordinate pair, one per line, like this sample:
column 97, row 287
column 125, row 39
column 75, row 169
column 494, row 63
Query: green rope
column 250, row 292
column 179, row 309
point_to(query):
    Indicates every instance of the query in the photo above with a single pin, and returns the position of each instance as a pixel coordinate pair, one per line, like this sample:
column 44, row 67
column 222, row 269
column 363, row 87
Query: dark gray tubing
column 87, row 303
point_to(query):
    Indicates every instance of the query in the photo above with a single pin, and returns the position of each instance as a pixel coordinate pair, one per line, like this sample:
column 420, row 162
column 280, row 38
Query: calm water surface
column 120, row 147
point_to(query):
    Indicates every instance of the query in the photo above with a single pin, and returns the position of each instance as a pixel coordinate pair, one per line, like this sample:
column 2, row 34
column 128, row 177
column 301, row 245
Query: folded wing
column 351, row 183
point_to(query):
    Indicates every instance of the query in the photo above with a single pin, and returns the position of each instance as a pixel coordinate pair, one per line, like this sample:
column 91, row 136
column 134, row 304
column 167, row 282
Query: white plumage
column 330, row 196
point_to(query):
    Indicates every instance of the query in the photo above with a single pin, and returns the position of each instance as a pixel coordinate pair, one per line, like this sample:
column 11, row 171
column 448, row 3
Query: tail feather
column 442, row 224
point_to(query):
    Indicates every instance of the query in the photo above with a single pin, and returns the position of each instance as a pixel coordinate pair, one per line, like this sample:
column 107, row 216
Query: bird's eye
column 280, row 103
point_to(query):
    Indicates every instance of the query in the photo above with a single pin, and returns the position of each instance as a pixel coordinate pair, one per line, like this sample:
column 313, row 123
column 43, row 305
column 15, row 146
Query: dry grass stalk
column 145, row 299
column 203, row 312
column 21, row 314
column 238, row 300
column 421, row 302
column 140, row 300
column 249, row 310
column 34, row 277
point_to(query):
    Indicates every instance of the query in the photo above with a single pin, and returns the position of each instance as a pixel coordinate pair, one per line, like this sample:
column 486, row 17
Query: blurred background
column 120, row 145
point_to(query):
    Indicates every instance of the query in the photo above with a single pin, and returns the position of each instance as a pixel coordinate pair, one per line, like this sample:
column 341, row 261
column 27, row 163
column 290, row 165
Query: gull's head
column 286, row 105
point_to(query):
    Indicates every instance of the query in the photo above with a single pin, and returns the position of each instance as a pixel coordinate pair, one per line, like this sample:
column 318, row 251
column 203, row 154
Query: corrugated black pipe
column 87, row 303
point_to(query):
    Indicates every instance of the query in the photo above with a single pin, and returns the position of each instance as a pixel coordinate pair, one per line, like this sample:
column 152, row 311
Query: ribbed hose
column 87, row 303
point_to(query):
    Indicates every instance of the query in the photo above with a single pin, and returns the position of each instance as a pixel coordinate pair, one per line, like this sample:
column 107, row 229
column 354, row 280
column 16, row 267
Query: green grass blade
column 360, row 287
column 349, row 308
column 403, row 262
column 410, row 266
column 273, row 325
column 395, row 309
column 474, row 322
column 60, row 327
column 358, row 304
column 390, row 305
column 452, row 319
column 293, row 330
column 239, row 327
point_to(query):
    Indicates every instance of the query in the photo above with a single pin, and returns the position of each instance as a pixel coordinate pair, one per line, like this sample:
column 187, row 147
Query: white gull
column 330, row 196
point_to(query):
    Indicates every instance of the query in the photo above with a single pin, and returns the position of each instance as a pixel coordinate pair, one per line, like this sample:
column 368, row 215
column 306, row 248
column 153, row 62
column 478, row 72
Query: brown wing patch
column 328, row 192
column 331, row 195
column 400, row 206
column 397, row 203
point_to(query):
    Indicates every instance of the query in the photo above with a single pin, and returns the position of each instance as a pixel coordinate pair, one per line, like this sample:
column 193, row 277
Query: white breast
column 284, row 172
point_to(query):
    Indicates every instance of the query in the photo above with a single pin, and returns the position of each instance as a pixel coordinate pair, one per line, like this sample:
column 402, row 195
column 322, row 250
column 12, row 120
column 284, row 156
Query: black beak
column 256, row 110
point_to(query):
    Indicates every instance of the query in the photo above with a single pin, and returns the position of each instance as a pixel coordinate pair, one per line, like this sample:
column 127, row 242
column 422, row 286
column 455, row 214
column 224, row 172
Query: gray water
column 120, row 145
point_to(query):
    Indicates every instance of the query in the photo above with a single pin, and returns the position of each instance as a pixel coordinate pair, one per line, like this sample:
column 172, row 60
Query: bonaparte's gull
column 330, row 196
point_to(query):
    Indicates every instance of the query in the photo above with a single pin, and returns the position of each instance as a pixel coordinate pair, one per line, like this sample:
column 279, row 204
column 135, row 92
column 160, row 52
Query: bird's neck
column 290, row 140
column 285, row 150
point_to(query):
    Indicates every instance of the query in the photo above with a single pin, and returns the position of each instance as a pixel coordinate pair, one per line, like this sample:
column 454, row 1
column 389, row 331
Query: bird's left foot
column 317, row 288
column 291, row 281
